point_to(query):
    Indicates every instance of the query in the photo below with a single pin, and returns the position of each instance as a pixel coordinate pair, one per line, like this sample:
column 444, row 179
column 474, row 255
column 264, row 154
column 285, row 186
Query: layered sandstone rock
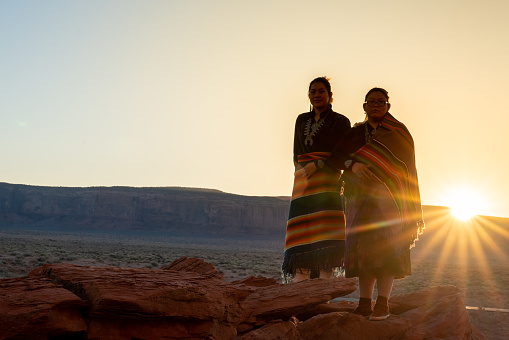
column 176, row 210
column 190, row 300
column 36, row 308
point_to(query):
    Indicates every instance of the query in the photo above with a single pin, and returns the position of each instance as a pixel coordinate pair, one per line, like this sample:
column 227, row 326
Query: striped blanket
column 315, row 231
column 392, row 158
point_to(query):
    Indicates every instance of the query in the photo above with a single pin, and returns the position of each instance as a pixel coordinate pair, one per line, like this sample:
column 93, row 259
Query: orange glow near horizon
column 465, row 203
column 465, row 253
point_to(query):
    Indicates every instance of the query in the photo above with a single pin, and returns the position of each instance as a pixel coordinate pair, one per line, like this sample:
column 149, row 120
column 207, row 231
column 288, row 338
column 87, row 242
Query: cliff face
column 180, row 210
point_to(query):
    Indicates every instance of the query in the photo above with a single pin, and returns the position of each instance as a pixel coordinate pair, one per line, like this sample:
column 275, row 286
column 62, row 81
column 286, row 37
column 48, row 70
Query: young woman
column 315, row 234
column 382, row 200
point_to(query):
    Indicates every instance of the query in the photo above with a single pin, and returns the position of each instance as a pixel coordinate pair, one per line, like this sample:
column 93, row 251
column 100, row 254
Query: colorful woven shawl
column 391, row 155
column 315, row 211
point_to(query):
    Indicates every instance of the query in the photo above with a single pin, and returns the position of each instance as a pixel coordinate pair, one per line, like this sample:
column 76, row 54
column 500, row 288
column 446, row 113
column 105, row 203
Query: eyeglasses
column 375, row 103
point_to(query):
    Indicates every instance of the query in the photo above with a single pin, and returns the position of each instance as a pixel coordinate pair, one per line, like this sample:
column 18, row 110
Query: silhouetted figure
column 315, row 234
column 382, row 202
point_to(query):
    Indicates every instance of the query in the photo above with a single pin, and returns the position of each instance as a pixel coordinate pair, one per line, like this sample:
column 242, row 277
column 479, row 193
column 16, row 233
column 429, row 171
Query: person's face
column 318, row 96
column 376, row 106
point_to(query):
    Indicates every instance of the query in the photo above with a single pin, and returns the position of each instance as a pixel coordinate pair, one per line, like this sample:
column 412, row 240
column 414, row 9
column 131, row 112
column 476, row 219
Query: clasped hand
column 362, row 171
column 308, row 170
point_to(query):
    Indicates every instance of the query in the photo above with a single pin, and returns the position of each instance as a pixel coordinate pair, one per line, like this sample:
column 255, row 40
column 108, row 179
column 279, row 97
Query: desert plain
column 482, row 276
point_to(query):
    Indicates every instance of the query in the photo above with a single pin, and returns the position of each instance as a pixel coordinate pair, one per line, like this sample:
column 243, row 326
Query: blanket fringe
column 325, row 259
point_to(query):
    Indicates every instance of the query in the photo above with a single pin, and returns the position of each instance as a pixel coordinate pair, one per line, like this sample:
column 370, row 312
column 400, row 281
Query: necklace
column 314, row 129
column 367, row 135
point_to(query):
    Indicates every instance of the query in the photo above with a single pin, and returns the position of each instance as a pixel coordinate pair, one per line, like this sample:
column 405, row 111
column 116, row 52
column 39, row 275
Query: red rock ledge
column 189, row 299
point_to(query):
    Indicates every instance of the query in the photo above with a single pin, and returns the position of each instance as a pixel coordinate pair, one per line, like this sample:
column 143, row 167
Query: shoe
column 364, row 307
column 380, row 312
column 364, row 311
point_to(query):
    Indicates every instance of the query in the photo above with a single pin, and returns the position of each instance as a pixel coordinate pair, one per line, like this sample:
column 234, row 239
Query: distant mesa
column 173, row 210
column 185, row 211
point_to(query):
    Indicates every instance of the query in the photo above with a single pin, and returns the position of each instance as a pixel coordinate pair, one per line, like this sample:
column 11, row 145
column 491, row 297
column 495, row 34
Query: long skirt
column 315, row 232
column 375, row 241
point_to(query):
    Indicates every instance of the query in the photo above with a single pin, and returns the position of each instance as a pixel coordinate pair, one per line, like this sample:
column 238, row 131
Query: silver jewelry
column 359, row 174
column 368, row 136
column 314, row 129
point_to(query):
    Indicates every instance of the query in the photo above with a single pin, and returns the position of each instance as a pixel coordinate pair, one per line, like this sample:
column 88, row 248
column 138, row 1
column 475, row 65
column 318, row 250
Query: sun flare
column 461, row 213
column 464, row 203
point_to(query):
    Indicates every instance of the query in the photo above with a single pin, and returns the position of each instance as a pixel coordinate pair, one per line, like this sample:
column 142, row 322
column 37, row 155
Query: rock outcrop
column 190, row 300
column 176, row 210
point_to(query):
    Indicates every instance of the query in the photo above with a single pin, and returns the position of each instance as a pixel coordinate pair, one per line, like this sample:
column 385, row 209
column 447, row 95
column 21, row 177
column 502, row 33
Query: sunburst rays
column 465, row 253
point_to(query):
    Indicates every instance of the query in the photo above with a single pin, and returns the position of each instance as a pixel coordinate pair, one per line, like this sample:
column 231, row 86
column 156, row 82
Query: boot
column 364, row 307
column 381, row 310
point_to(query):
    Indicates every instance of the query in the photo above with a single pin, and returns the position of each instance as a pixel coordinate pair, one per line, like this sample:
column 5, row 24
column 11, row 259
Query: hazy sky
column 205, row 93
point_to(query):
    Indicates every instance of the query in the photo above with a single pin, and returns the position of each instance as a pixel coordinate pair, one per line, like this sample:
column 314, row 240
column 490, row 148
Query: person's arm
column 340, row 158
column 295, row 144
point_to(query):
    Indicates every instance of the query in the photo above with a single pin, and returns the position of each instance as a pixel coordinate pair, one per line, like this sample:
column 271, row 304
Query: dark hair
column 377, row 89
column 325, row 81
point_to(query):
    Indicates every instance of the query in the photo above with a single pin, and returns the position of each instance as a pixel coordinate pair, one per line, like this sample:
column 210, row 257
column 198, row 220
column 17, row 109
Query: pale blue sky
column 205, row 93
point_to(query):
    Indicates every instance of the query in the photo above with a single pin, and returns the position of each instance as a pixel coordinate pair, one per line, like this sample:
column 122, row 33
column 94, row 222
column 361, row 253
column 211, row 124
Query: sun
column 462, row 213
column 464, row 203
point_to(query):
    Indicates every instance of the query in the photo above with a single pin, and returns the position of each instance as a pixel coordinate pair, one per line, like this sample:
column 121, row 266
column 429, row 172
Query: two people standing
column 381, row 201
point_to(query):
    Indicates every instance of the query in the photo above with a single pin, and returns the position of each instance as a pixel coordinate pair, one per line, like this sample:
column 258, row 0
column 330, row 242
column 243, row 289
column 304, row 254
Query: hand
column 309, row 170
column 362, row 171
